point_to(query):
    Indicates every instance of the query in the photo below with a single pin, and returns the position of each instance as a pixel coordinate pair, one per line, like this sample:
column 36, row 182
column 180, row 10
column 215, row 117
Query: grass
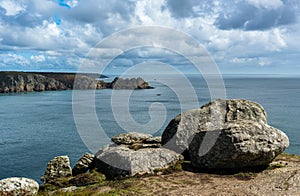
column 245, row 175
column 94, row 183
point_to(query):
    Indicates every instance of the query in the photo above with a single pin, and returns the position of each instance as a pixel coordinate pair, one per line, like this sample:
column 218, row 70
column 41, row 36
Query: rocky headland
column 226, row 147
column 44, row 81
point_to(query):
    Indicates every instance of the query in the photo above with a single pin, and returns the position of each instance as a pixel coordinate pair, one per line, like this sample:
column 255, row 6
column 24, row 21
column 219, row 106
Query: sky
column 242, row 36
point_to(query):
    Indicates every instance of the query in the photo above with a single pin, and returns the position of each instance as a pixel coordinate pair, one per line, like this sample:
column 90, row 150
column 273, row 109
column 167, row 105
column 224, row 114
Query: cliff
column 42, row 81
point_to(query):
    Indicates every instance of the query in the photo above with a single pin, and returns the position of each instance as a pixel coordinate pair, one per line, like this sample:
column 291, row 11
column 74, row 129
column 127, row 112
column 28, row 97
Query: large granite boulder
column 83, row 164
column 121, row 161
column 18, row 186
column 239, row 144
column 200, row 133
column 58, row 167
column 211, row 116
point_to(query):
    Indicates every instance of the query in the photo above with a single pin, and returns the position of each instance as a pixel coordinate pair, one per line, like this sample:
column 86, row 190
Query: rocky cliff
column 29, row 82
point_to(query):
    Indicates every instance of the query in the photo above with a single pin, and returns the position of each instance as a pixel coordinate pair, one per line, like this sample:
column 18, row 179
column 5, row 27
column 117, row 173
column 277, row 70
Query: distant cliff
column 43, row 81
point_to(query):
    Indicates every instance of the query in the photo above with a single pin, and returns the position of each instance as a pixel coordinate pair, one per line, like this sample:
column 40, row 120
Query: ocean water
column 35, row 127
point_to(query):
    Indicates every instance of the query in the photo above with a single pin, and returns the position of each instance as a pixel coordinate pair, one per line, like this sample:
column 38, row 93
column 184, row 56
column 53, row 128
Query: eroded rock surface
column 18, row 186
column 116, row 161
column 83, row 164
column 225, row 134
column 135, row 140
column 58, row 167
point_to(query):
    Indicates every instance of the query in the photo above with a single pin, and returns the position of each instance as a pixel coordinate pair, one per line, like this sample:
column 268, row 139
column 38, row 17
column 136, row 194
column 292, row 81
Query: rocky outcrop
column 133, row 83
column 225, row 134
column 83, row 164
column 28, row 82
column 120, row 161
column 134, row 140
column 18, row 186
column 57, row 167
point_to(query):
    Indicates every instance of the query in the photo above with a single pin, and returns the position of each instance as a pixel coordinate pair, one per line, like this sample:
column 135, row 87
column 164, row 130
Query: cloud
column 181, row 9
column 38, row 58
column 274, row 4
column 57, row 34
column 256, row 15
column 12, row 7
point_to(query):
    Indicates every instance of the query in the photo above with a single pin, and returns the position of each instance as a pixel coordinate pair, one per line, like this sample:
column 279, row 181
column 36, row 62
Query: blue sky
column 243, row 36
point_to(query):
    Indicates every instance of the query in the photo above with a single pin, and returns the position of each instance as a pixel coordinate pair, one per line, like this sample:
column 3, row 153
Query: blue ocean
column 35, row 127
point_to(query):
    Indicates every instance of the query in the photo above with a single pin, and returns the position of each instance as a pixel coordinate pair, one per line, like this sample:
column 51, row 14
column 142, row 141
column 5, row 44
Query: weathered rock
column 83, row 164
column 135, row 140
column 241, row 144
column 121, row 161
column 138, row 146
column 153, row 140
column 225, row 134
column 57, row 167
column 18, row 186
column 212, row 116
column 131, row 138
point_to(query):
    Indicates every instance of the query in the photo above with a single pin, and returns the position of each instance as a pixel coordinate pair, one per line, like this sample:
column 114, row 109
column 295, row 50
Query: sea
column 37, row 126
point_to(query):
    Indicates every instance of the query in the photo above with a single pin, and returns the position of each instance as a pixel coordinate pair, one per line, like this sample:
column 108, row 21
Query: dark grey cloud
column 249, row 17
column 181, row 9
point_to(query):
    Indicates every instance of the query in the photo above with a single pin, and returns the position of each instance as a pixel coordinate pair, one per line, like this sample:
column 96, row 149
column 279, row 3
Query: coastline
column 17, row 82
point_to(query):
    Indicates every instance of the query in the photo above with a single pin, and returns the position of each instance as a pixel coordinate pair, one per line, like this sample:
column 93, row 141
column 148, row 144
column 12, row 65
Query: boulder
column 57, row 167
column 199, row 133
column 135, row 140
column 18, row 186
column 240, row 144
column 130, row 138
column 120, row 161
column 211, row 116
column 83, row 164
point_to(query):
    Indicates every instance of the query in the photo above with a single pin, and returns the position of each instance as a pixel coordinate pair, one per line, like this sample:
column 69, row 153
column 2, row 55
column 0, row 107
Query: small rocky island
column 226, row 147
column 15, row 82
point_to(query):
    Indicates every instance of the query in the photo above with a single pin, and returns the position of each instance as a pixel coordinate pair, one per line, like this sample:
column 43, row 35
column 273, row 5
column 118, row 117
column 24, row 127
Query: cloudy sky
column 243, row 36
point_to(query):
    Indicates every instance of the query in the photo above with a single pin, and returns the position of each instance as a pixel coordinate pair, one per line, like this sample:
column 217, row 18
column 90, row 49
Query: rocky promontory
column 45, row 81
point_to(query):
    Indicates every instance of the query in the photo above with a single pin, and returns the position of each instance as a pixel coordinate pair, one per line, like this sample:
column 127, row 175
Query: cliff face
column 28, row 82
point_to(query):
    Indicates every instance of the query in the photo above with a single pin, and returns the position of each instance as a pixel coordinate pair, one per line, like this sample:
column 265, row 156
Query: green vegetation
column 94, row 183
column 245, row 175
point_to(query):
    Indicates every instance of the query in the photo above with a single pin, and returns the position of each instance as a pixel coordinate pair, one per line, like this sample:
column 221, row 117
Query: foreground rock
column 134, row 140
column 58, row 167
column 83, row 164
column 120, row 161
column 239, row 145
column 18, row 186
column 225, row 134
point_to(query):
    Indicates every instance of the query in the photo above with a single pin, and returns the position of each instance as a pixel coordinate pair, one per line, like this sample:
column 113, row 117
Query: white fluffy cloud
column 12, row 7
column 274, row 4
column 38, row 58
column 57, row 34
